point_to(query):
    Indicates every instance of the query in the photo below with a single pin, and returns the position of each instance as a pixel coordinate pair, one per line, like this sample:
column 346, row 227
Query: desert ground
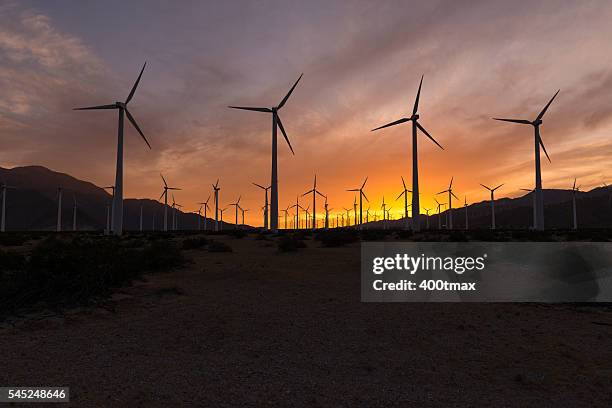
column 260, row 327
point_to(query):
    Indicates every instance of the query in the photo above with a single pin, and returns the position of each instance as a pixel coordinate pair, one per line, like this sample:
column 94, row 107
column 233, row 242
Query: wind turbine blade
column 544, row 148
column 401, row 194
column 445, row 191
column 547, row 105
column 453, row 194
column 353, row 189
column 173, row 188
column 162, row 195
column 280, row 125
column 131, row 119
column 428, row 135
column 365, row 196
column 416, row 101
column 397, row 122
column 485, row 186
column 113, row 106
column 317, row 191
column 308, row 192
column 404, row 183
column 282, row 103
column 251, row 109
column 364, row 182
column 451, row 183
column 498, row 187
column 162, row 176
column 262, row 187
column 523, row 121
column 574, row 186
column 131, row 95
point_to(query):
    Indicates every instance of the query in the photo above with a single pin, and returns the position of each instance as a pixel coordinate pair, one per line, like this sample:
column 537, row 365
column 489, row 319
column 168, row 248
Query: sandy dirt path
column 258, row 327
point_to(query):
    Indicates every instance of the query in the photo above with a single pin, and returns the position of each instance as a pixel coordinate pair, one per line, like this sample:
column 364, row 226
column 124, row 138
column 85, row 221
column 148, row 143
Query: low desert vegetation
column 77, row 270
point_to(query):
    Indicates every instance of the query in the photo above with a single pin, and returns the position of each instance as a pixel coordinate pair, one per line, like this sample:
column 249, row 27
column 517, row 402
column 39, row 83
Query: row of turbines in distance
column 271, row 210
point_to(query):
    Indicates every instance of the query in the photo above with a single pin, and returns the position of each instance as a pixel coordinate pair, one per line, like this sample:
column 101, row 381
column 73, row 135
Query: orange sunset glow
column 362, row 65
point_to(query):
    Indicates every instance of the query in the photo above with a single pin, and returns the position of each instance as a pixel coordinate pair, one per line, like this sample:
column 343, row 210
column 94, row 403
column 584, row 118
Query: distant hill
column 33, row 204
column 593, row 208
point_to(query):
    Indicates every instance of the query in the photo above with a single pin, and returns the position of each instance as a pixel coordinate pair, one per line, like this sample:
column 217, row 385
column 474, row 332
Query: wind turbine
column 286, row 211
column 404, row 193
column 440, row 205
column 535, row 213
column 243, row 210
column 492, row 190
column 266, row 205
column 140, row 217
column 415, row 169
column 236, row 205
column 427, row 210
column 450, row 203
column 216, row 188
column 59, row 209
column 74, row 213
column 276, row 122
column 3, row 189
column 361, row 197
column 123, row 110
column 110, row 224
column 574, row 191
column 307, row 215
column 221, row 211
column 539, row 221
column 348, row 216
column 368, row 214
column 205, row 204
column 297, row 211
column 164, row 194
column 466, row 212
column 384, row 206
column 314, row 192
column 326, row 214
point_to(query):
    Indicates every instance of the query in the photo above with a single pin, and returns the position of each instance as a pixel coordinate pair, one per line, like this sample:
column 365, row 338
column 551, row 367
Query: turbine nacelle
column 537, row 122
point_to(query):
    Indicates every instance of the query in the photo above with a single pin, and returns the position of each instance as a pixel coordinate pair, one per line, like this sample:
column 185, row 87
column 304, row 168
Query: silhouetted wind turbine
column 533, row 197
column 348, row 216
column 415, row 169
column 286, row 211
column 450, row 203
column 404, row 193
column 216, row 188
column 314, row 192
column 276, row 122
column 427, row 210
column 539, row 221
column 265, row 189
column 326, row 214
column 112, row 210
column 362, row 195
column 492, row 190
column 122, row 108
column 236, row 205
column 574, row 191
column 440, row 205
column 297, row 211
column 221, row 211
column 206, row 207
column 164, row 194
column 140, row 226
column 465, row 204
column 4, row 189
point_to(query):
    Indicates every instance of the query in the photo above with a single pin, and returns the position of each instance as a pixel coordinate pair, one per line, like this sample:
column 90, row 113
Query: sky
column 362, row 62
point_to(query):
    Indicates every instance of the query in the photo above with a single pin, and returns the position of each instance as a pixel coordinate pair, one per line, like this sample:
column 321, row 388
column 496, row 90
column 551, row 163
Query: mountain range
column 32, row 205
